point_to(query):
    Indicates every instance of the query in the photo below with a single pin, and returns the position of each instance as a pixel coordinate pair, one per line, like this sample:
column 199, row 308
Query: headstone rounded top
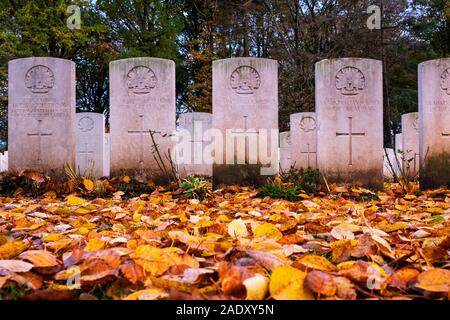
column 244, row 61
column 86, row 121
column 305, row 121
column 348, row 60
column 140, row 61
column 435, row 62
column 36, row 61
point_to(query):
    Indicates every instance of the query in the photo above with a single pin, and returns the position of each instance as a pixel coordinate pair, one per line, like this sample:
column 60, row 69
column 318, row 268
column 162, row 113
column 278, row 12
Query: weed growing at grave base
column 277, row 190
column 196, row 188
column 306, row 180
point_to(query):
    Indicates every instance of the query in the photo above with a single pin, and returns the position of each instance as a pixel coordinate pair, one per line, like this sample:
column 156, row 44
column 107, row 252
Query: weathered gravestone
column 410, row 143
column 41, row 114
column 107, row 155
column 285, row 151
column 90, row 143
column 434, row 123
column 193, row 126
column 304, row 137
column 349, row 107
column 245, row 112
column 142, row 100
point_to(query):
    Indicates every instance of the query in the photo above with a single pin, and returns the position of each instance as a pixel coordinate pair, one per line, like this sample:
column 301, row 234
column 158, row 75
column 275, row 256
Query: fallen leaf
column 434, row 280
column 288, row 283
column 39, row 258
column 321, row 283
column 15, row 265
column 256, row 287
column 237, row 229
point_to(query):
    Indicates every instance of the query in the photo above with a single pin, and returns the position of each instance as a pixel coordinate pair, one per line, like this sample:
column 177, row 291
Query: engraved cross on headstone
column 350, row 134
column 197, row 140
column 85, row 154
column 308, row 153
column 247, row 134
column 39, row 134
column 141, row 133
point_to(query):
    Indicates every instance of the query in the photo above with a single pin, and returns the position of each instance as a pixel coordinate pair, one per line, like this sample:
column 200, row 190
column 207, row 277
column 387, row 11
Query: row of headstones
column 348, row 125
column 404, row 159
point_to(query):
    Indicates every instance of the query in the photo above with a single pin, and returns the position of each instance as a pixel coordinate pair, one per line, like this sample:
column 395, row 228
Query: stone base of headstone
column 242, row 175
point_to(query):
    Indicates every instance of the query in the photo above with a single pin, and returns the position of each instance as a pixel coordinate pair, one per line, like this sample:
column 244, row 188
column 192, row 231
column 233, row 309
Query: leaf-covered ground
column 350, row 244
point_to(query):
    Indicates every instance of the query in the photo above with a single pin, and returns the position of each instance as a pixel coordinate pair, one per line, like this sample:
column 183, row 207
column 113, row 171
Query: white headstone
column 410, row 143
column 2, row 166
column 245, row 111
column 90, row 143
column 349, row 107
column 41, row 114
column 434, row 123
column 107, row 156
column 399, row 148
column 195, row 124
column 389, row 162
column 142, row 99
column 304, row 138
column 5, row 161
column 285, row 151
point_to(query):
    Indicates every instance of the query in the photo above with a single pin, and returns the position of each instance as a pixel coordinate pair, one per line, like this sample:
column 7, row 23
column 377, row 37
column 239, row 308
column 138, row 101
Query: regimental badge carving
column 86, row 124
column 245, row 80
column 350, row 81
column 141, row 80
column 445, row 81
column 308, row 124
column 39, row 79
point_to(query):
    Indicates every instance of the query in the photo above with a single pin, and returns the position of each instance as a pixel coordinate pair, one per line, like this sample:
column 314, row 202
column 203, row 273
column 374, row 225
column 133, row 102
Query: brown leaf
column 345, row 288
column 321, row 283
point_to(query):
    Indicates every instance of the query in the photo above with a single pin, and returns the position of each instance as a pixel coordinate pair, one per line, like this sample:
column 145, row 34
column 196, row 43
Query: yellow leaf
column 88, row 184
column 82, row 211
column 126, row 179
column 394, row 227
column 312, row 261
column 39, row 258
column 53, row 237
column 434, row 280
column 147, row 294
column 137, row 217
column 435, row 211
column 95, row 244
column 401, row 208
column 288, row 283
column 237, row 229
column 410, row 197
column 75, row 201
column 11, row 249
column 342, row 249
column 256, row 287
column 268, row 230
